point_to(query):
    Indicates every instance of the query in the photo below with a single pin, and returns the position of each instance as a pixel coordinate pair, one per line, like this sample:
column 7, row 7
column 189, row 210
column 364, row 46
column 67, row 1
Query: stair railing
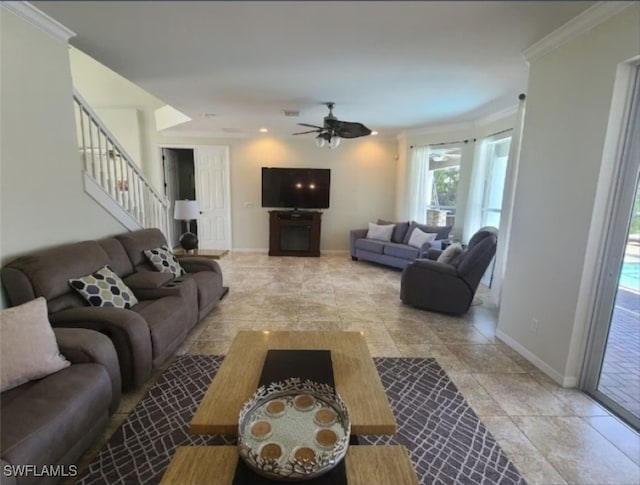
column 108, row 165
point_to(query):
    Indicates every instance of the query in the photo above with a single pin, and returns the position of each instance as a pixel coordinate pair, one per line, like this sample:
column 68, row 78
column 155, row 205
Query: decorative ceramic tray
column 293, row 430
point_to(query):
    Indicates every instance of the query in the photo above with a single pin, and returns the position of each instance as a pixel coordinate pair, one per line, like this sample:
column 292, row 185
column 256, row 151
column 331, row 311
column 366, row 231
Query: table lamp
column 187, row 210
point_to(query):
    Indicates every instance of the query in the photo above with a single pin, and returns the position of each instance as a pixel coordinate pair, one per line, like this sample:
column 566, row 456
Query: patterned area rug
column 447, row 442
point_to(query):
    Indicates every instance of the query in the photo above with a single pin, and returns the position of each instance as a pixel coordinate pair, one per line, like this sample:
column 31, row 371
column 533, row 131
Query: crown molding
column 434, row 129
column 493, row 117
column 39, row 19
column 585, row 21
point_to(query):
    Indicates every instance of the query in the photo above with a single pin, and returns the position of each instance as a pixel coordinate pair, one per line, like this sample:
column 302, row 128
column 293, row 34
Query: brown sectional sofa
column 145, row 335
column 54, row 420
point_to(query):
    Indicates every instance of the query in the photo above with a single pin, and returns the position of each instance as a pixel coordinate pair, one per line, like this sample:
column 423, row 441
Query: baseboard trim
column 564, row 381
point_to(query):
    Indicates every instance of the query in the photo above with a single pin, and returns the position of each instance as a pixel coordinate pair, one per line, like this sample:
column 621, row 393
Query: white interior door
column 213, row 196
column 170, row 167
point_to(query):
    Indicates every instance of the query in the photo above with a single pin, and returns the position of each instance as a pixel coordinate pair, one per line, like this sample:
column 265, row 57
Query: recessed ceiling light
column 374, row 133
column 263, row 130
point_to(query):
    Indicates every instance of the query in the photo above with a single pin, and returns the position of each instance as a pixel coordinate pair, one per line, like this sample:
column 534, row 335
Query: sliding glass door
column 612, row 367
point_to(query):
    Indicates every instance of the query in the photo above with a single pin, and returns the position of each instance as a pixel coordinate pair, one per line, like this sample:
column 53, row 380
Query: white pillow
column 449, row 253
column 28, row 346
column 418, row 237
column 382, row 233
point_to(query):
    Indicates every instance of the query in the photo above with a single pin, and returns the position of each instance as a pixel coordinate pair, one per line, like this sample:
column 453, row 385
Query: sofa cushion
column 147, row 279
column 380, row 233
column 43, row 419
column 370, row 245
column 164, row 261
column 28, row 348
column 398, row 232
column 104, row 288
column 450, row 253
column 419, row 238
column 119, row 261
column 209, row 287
column 441, row 231
column 401, row 251
column 167, row 323
column 46, row 272
column 136, row 242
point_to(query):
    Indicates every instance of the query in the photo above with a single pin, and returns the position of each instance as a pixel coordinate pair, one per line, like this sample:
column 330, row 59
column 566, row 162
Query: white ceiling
column 391, row 65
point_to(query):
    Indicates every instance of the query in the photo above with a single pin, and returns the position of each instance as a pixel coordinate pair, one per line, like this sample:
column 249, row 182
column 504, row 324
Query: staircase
column 113, row 179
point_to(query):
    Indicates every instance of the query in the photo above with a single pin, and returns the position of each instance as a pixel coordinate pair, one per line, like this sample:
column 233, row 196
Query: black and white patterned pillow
column 164, row 261
column 104, row 288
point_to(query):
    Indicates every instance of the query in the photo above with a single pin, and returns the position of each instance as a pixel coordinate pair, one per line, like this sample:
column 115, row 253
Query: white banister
column 107, row 164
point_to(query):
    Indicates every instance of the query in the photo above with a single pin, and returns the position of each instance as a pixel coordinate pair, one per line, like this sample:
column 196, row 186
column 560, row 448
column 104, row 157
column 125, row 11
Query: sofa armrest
column 80, row 345
column 127, row 330
column 438, row 244
column 147, row 280
column 195, row 264
column 433, row 254
column 151, row 285
column 355, row 234
column 428, row 265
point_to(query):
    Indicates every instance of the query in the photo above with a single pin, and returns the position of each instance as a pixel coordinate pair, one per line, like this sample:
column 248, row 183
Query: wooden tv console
column 294, row 233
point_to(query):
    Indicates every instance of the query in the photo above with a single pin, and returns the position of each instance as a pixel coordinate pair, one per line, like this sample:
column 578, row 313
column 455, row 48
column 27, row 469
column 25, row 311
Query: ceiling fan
column 332, row 129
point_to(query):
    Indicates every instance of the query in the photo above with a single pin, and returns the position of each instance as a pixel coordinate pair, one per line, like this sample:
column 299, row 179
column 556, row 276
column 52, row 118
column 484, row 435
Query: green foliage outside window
column 445, row 186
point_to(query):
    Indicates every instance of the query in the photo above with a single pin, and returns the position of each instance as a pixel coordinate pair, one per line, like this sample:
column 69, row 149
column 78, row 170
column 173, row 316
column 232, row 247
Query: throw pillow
column 418, row 238
column 28, row 348
column 381, row 233
column 397, row 236
column 164, row 261
column 104, row 288
column 449, row 253
column 441, row 231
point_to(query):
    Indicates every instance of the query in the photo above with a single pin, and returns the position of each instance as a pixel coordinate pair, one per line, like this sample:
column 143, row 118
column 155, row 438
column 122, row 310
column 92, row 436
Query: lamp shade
column 186, row 210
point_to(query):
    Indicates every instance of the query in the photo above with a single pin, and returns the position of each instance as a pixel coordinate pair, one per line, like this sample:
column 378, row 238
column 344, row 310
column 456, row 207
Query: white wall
column 124, row 125
column 363, row 183
column 568, row 103
column 42, row 200
column 108, row 93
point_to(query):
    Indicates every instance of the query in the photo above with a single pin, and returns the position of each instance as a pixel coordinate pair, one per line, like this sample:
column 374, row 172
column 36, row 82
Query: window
column 442, row 185
column 496, row 158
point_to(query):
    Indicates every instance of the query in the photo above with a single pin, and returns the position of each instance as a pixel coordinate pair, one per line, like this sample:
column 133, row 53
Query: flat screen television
column 296, row 188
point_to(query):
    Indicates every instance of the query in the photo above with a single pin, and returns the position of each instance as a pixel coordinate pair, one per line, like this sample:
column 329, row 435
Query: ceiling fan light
column 319, row 141
column 334, row 142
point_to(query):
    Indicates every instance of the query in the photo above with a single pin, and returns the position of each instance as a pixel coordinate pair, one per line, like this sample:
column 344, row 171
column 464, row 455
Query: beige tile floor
column 553, row 435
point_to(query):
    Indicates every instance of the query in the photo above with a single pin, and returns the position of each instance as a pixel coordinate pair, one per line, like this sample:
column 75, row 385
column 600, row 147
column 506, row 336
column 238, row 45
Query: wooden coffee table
column 215, row 465
column 356, row 379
